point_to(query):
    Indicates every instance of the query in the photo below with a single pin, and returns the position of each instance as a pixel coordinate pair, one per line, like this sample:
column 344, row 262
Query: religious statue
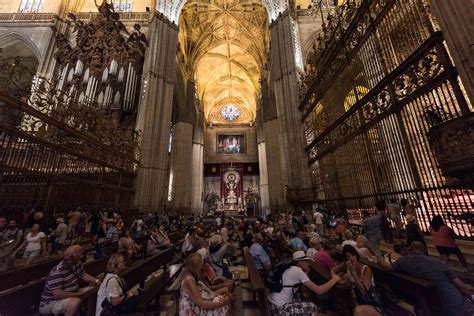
column 231, row 179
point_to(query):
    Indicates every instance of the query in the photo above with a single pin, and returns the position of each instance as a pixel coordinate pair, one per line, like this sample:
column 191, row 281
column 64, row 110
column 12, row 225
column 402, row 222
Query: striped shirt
column 62, row 277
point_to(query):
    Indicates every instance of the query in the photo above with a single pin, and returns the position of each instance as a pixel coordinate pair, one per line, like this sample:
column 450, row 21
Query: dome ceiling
column 224, row 43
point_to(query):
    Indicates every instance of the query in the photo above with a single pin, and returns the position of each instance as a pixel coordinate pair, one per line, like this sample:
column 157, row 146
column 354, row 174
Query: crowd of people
column 282, row 248
column 37, row 238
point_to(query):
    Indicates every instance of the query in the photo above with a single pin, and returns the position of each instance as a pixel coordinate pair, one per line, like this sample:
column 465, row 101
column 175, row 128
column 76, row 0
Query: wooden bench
column 257, row 286
column 25, row 299
column 133, row 275
column 340, row 295
column 421, row 294
column 25, row 275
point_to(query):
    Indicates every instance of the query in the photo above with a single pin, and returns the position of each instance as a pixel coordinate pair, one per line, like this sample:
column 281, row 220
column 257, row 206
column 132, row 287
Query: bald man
column 61, row 293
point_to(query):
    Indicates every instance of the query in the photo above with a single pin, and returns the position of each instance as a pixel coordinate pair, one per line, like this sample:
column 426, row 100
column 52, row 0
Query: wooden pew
column 25, row 299
column 25, row 275
column 258, row 287
column 133, row 275
column 155, row 286
column 421, row 294
column 340, row 295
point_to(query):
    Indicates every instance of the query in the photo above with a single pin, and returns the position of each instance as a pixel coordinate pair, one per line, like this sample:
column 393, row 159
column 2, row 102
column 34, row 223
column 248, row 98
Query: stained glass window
column 230, row 112
column 31, row 6
column 122, row 6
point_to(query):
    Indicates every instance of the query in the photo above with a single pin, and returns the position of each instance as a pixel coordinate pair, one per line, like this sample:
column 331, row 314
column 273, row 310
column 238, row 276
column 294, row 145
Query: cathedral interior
column 246, row 108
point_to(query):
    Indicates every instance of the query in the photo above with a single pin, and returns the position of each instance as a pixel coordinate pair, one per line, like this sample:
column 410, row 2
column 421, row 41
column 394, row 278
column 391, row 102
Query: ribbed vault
column 224, row 44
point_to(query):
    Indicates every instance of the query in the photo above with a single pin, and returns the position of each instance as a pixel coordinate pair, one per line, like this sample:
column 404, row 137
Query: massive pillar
column 181, row 149
column 154, row 117
column 197, row 171
column 284, row 83
column 455, row 18
column 262, row 162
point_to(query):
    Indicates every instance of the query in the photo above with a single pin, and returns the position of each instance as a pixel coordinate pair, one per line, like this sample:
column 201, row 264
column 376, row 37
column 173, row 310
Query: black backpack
column 273, row 279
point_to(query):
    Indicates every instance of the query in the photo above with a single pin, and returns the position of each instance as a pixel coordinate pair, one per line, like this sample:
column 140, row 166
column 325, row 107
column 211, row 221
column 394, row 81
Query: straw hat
column 299, row 255
column 38, row 216
column 215, row 240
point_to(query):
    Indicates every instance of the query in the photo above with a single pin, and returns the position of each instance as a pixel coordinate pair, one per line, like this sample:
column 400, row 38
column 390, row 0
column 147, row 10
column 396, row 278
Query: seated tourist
column 128, row 246
column 11, row 239
column 195, row 297
column 216, row 252
column 35, row 243
column 259, row 255
column 360, row 276
column 162, row 237
column 112, row 289
column 296, row 243
column 285, row 302
column 455, row 293
column 314, row 247
column 413, row 231
column 61, row 293
column 400, row 249
column 210, row 277
column 112, row 232
column 324, row 256
column 189, row 240
column 152, row 244
column 350, row 239
column 363, row 247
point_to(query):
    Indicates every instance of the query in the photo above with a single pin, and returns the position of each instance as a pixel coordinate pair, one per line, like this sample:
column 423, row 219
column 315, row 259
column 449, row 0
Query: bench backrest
column 257, row 283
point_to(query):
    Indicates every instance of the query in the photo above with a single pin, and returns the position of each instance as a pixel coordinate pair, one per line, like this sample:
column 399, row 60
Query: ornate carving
column 100, row 41
column 453, row 144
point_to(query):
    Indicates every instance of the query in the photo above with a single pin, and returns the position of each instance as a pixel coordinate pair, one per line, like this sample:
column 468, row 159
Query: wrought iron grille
column 56, row 167
column 383, row 83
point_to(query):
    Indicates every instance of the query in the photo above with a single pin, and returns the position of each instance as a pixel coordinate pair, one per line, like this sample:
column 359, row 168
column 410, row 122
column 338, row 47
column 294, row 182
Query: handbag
column 107, row 308
column 371, row 297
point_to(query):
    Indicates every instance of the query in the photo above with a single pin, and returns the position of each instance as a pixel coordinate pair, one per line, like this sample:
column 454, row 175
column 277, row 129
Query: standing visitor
column 60, row 236
column 444, row 239
column 35, row 241
column 394, row 212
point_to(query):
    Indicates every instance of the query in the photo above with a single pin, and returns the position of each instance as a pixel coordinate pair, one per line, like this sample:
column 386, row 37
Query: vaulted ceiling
column 224, row 44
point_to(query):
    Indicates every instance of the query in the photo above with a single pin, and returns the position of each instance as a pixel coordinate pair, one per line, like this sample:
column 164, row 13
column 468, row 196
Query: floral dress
column 187, row 307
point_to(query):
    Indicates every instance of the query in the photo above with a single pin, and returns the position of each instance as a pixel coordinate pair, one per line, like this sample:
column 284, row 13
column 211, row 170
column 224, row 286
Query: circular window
column 230, row 112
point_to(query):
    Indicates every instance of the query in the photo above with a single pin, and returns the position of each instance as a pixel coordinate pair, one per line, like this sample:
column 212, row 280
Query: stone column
column 154, row 116
column 181, row 149
column 197, row 170
column 262, row 163
column 284, row 81
column 455, row 19
column 270, row 133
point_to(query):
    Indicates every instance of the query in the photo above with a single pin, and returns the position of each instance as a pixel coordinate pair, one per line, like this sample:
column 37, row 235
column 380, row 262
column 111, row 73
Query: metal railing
column 48, row 165
column 385, row 83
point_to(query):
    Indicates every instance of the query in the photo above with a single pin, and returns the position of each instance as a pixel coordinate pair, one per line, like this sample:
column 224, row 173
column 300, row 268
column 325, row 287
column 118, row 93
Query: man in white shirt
column 285, row 302
column 318, row 221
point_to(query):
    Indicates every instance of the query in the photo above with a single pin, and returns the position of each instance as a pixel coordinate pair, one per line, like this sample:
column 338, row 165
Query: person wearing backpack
column 284, row 298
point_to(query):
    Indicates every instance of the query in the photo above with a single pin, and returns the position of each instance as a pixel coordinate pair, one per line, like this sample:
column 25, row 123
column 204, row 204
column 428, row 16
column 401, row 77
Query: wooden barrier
column 25, row 299
column 25, row 275
column 340, row 295
column 258, row 287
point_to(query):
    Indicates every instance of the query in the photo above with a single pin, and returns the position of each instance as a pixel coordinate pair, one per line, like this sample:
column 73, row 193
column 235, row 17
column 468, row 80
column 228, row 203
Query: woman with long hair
column 444, row 239
column 196, row 299
column 361, row 278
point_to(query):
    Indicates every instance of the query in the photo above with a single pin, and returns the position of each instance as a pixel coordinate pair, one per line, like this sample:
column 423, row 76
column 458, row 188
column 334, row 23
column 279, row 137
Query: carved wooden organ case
column 105, row 65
